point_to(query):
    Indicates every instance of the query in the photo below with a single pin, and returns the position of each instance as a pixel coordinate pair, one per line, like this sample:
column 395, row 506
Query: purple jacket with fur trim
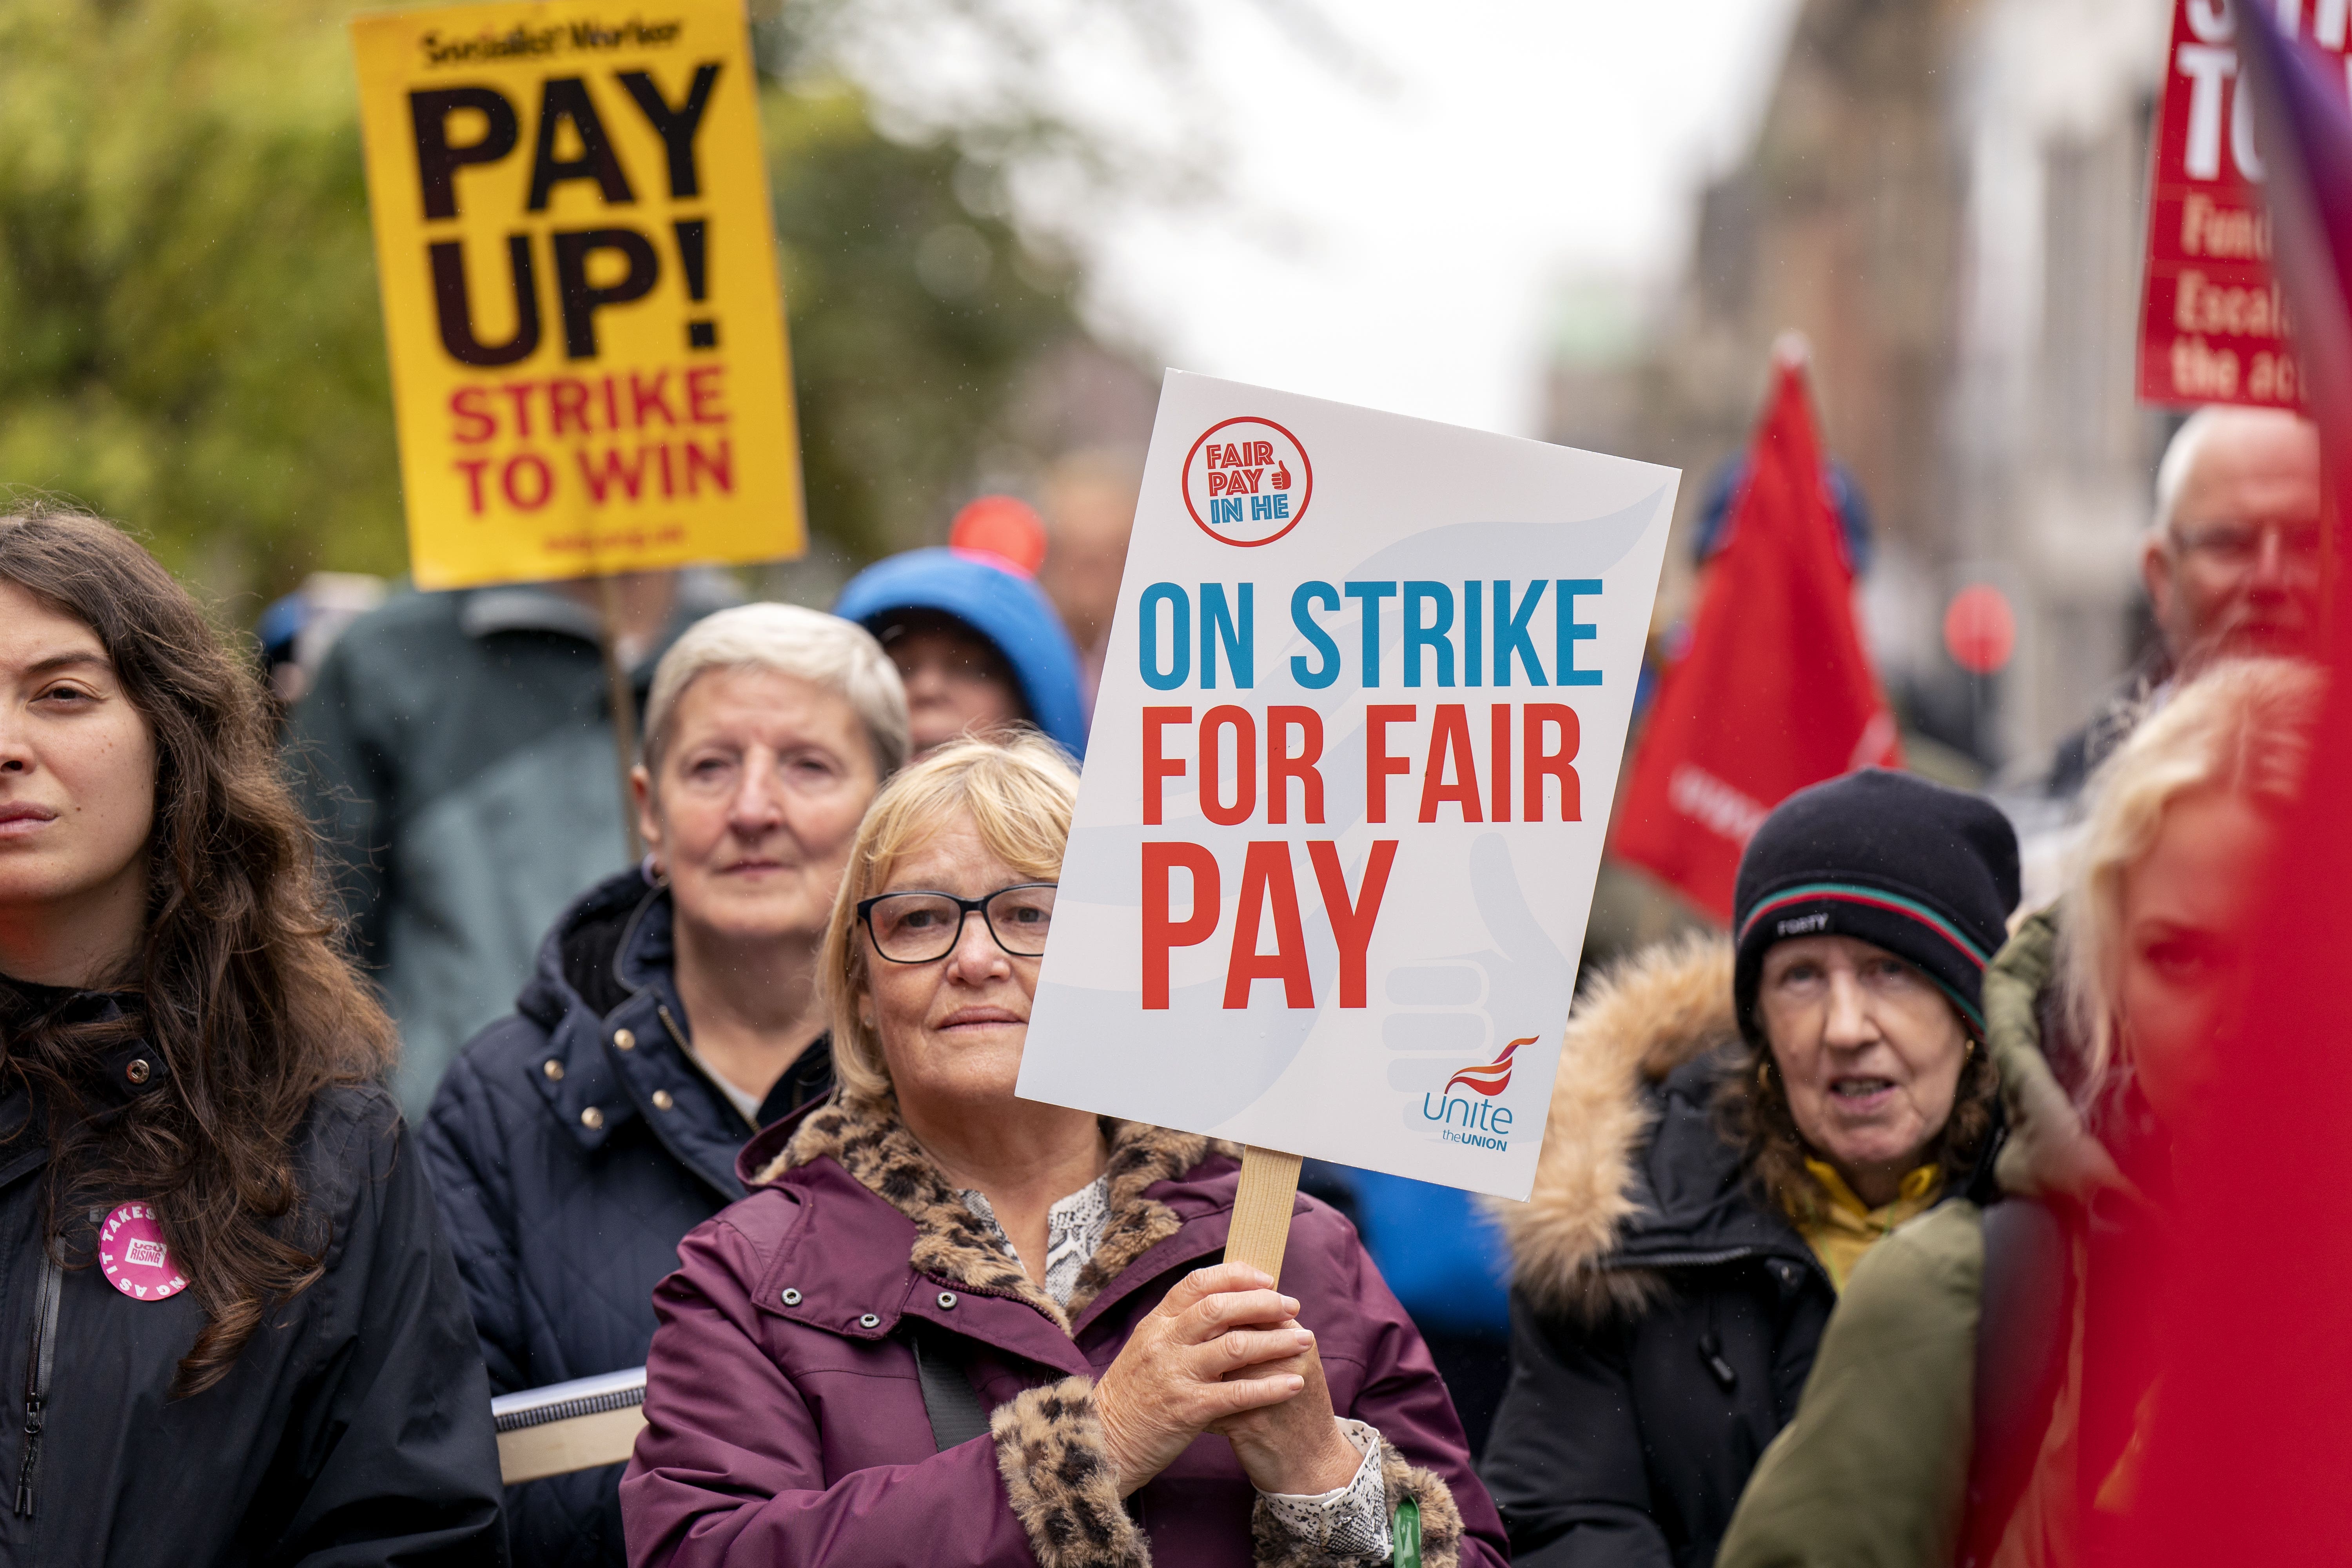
column 784, row 1414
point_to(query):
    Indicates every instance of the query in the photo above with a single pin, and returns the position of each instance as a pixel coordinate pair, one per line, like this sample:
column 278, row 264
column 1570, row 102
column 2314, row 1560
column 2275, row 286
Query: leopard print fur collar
column 867, row 1139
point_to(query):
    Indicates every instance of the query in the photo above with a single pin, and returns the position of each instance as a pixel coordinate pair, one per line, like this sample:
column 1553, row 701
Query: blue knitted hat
column 1010, row 611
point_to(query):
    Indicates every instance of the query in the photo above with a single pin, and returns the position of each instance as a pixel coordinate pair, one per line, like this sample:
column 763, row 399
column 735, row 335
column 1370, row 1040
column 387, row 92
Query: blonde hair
column 1018, row 790
column 2243, row 727
column 807, row 644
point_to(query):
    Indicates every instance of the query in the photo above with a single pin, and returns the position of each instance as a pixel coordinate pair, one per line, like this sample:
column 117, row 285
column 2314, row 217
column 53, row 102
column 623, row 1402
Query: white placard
column 1334, row 624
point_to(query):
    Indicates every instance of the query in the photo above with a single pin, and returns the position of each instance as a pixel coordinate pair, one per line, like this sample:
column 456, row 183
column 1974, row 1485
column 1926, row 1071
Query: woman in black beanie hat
column 1734, row 1124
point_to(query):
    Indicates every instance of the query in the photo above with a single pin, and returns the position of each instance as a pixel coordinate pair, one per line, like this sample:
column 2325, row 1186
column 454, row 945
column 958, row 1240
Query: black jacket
column 1664, row 1318
column 569, row 1164
column 355, row 1428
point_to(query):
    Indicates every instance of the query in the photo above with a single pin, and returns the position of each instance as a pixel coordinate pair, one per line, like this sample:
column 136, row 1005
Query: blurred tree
column 911, row 315
column 190, row 338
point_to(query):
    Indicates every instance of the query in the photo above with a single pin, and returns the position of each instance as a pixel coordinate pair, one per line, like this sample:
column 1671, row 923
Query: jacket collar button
column 591, row 1118
column 624, row 1039
column 791, row 1297
column 947, row 1300
column 139, row 1071
column 868, row 1321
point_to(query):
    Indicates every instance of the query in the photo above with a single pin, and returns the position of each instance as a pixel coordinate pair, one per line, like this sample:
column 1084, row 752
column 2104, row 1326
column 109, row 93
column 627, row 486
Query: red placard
column 2212, row 324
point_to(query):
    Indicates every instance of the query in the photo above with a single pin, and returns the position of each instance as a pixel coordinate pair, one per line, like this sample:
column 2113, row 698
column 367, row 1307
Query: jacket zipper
column 37, row 1367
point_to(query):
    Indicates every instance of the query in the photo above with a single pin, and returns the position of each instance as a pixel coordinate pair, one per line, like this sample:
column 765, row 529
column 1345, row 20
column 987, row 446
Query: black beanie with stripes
column 1926, row 872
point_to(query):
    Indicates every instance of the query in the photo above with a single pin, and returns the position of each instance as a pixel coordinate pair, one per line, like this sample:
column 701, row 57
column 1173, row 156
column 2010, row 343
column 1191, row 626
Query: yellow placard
column 571, row 229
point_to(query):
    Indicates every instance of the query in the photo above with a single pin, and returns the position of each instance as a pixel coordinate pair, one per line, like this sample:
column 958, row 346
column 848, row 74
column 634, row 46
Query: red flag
column 2251, row 1437
column 1775, row 691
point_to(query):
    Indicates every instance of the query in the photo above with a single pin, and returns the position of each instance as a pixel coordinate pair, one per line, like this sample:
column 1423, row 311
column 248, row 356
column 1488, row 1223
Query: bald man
column 2232, row 564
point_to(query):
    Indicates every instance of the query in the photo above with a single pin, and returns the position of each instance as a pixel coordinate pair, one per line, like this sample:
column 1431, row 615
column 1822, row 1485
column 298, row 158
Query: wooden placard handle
column 1262, row 1209
column 622, row 694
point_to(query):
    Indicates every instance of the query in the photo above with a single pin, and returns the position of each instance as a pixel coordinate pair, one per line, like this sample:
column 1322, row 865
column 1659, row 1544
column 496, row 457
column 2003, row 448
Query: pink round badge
column 130, row 1251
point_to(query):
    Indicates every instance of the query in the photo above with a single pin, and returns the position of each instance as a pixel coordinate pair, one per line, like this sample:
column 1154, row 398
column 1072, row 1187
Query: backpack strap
column 2020, row 1363
column 949, row 1399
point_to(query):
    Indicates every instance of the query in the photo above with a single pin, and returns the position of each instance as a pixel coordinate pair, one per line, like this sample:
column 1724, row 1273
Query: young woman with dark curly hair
column 229, row 1327
column 1733, row 1125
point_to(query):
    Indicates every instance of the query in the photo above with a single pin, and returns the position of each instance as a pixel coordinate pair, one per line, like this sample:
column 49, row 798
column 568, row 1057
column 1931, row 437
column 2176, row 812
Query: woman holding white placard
column 949, row 1315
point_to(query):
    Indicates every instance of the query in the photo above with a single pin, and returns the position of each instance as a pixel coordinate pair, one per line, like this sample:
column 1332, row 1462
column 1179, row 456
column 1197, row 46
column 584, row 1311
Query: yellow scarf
column 1841, row 1230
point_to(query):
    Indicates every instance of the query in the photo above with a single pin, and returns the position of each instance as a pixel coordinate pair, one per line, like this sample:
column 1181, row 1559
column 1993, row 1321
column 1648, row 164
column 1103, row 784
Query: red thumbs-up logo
column 1247, row 481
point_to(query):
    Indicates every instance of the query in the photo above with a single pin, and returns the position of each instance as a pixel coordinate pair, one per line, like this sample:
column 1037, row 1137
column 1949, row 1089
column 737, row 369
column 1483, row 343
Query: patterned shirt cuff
column 1351, row 1522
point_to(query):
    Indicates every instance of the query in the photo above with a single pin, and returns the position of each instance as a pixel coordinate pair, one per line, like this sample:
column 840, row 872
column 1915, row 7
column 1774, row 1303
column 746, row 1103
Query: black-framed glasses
column 923, row 928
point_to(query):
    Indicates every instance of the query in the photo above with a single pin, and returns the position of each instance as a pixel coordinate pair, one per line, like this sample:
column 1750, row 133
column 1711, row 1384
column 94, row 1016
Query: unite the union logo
column 1479, row 1122
column 1247, row 481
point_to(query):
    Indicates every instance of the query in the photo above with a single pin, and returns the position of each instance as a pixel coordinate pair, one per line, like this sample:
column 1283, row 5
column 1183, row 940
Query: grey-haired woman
column 674, row 1012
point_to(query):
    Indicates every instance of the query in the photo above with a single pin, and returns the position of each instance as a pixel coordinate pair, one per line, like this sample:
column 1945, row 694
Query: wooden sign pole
column 1262, row 1209
column 623, row 698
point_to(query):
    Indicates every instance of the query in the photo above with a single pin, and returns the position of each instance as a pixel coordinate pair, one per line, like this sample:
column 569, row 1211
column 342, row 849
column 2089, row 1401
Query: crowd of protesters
column 1837, row 1215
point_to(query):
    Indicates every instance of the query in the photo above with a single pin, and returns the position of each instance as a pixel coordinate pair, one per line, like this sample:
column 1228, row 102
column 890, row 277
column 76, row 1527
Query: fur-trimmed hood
column 1633, row 1176
column 1632, row 1170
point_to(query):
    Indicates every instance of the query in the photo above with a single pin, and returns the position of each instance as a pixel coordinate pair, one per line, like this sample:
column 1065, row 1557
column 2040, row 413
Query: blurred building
column 1945, row 197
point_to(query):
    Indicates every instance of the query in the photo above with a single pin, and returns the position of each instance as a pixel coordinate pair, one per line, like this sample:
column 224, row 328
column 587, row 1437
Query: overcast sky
column 1396, row 233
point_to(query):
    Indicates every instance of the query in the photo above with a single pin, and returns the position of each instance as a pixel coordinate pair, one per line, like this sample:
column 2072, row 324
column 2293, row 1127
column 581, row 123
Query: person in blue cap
column 975, row 639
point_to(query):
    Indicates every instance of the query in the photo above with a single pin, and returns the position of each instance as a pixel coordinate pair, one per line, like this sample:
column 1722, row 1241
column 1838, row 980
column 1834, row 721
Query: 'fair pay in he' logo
column 1247, row 481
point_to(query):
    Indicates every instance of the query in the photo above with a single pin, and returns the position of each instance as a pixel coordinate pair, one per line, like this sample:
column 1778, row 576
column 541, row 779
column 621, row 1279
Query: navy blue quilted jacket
column 571, row 1146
